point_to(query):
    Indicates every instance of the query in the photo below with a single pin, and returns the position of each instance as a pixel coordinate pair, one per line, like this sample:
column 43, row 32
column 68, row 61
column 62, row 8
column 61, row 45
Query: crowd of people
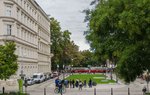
column 73, row 83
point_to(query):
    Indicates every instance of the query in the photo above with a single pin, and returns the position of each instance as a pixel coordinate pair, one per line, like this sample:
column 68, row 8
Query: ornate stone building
column 24, row 22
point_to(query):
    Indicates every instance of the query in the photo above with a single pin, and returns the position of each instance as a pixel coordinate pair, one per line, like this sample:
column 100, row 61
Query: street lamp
column 26, row 85
column 116, row 74
column 111, row 72
column 63, row 72
column 105, row 71
column 71, row 69
column 22, row 75
column 57, row 68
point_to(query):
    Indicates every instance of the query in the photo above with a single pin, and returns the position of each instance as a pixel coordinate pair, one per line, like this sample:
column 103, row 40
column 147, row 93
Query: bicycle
column 62, row 90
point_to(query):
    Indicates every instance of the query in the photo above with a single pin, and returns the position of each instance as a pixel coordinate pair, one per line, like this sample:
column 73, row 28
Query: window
column 22, row 16
column 18, row 32
column 8, row 10
column 8, row 29
column 30, row 10
column 19, row 50
column 27, row 7
column 25, row 19
column 22, row 33
column 25, row 35
column 18, row 11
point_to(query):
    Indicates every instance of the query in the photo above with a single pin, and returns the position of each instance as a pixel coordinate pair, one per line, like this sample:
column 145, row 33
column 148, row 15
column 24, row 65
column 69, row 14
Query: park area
column 97, row 78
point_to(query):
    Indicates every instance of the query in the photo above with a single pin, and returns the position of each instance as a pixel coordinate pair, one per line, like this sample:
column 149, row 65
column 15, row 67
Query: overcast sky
column 69, row 14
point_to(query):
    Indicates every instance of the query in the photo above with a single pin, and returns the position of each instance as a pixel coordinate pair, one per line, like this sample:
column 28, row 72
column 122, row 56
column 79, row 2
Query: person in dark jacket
column 70, row 82
column 90, row 83
column 73, row 83
column 77, row 83
column 84, row 83
column 57, row 80
column 144, row 90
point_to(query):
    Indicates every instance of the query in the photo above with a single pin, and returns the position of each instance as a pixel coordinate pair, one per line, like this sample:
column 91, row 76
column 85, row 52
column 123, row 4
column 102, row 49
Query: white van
column 38, row 77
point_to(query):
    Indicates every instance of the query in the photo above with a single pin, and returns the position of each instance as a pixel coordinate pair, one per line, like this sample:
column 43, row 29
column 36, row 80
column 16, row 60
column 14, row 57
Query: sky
column 69, row 14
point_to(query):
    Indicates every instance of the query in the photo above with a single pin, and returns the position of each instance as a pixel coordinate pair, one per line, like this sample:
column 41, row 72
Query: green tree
column 119, row 30
column 88, row 58
column 56, row 39
column 75, row 54
column 62, row 47
column 8, row 60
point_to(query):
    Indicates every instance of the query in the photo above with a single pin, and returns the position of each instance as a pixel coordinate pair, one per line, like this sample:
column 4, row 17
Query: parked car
column 30, row 81
column 38, row 77
column 47, row 76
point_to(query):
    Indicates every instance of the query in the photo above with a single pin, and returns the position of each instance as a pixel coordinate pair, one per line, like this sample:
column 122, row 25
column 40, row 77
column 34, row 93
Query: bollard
column 111, row 91
column 94, row 91
column 44, row 91
column 128, row 91
column 26, row 85
column 3, row 90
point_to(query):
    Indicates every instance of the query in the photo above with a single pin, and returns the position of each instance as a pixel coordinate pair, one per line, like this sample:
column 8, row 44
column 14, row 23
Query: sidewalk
column 108, row 86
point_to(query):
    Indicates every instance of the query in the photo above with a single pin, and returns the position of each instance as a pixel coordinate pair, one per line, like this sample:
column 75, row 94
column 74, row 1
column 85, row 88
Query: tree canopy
column 119, row 30
column 88, row 58
column 8, row 60
column 65, row 51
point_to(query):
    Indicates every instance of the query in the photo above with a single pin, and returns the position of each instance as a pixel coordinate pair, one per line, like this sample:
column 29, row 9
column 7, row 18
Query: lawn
column 98, row 78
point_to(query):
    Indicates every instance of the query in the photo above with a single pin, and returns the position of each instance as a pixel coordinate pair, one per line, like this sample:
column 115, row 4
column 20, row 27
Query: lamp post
column 25, row 84
column 105, row 71
column 111, row 77
column 57, row 68
column 63, row 72
column 72, row 69
column 22, row 75
column 116, row 74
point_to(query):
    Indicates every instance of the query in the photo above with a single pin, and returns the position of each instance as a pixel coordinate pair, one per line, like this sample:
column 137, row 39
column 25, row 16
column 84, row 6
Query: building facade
column 24, row 22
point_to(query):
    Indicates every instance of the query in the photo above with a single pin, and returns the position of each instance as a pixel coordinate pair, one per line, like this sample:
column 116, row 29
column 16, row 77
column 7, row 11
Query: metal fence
column 89, row 91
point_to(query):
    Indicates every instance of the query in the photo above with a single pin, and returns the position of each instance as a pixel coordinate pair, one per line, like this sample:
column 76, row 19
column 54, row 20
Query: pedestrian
column 77, row 83
column 57, row 80
column 70, row 82
column 66, row 83
column 80, row 85
column 84, row 83
column 73, row 83
column 90, row 83
column 144, row 90
column 60, row 85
